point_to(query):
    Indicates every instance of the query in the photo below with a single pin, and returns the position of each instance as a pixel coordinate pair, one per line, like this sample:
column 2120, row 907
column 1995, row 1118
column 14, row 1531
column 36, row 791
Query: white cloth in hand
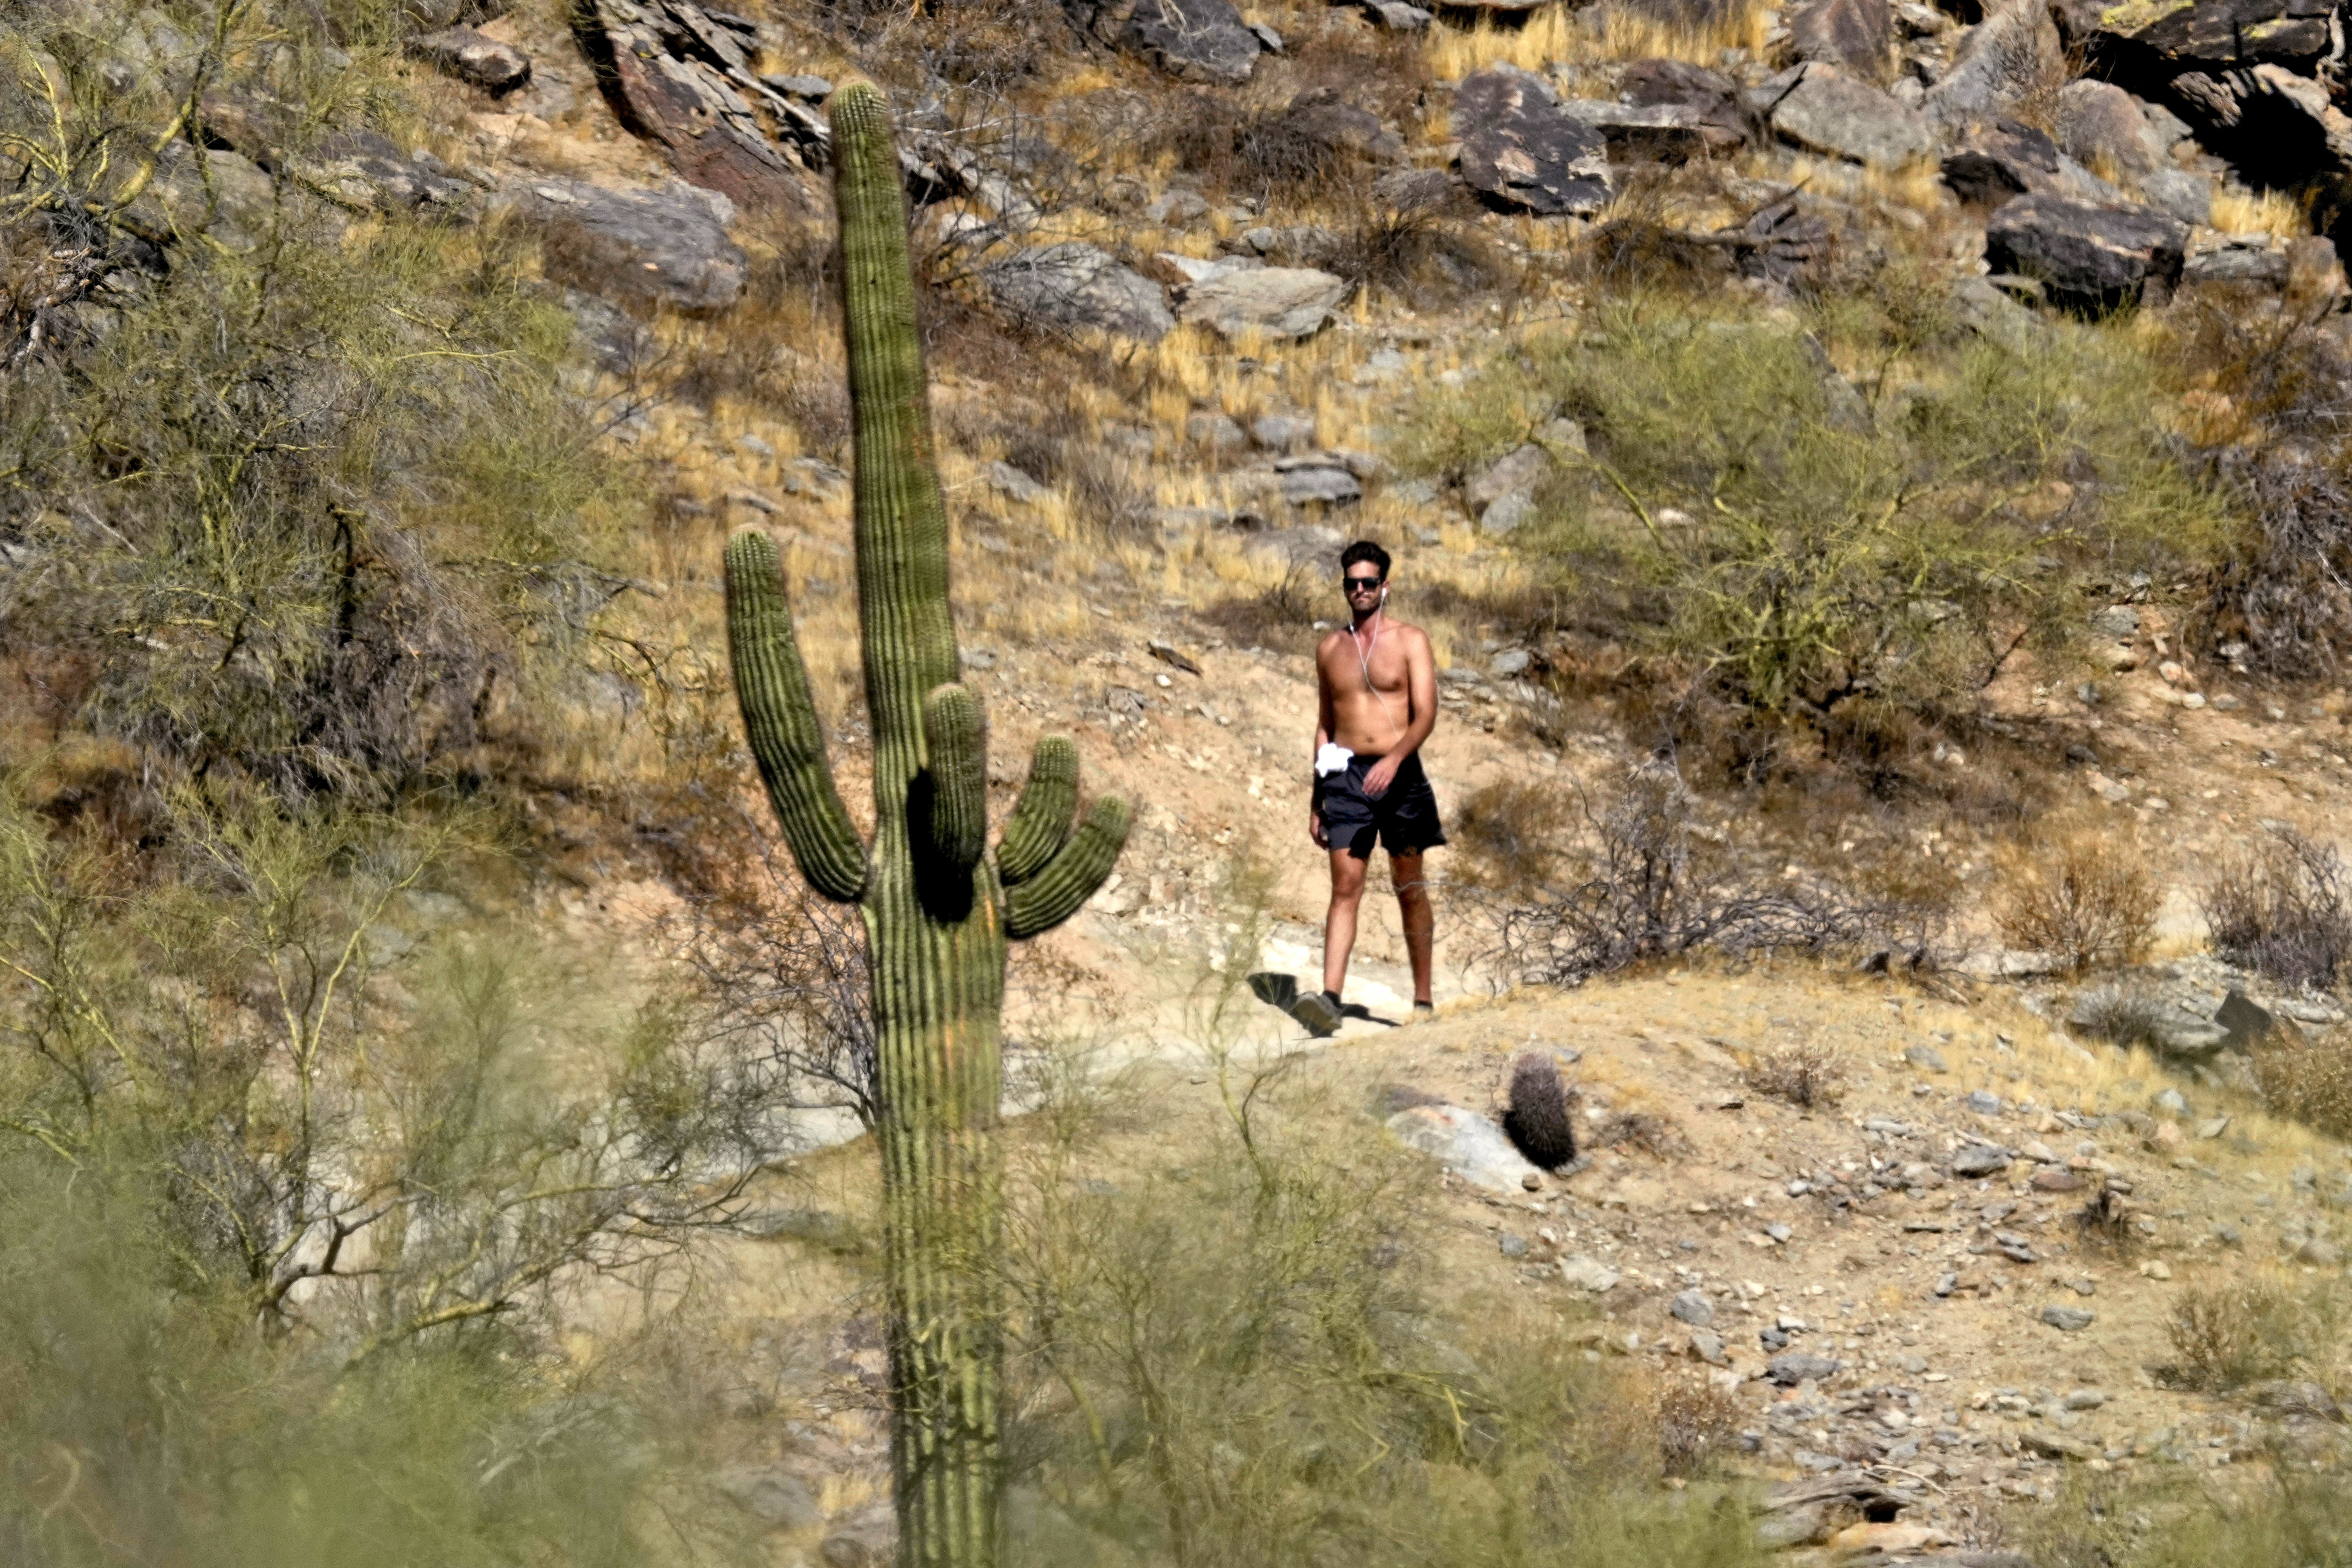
column 1333, row 758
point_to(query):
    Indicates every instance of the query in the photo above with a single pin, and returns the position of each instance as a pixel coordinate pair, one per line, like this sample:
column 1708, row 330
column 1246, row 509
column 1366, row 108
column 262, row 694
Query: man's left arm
column 1421, row 694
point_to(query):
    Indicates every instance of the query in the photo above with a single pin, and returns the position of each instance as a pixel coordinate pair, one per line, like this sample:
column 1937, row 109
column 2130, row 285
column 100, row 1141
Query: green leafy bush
column 283, row 494
column 1799, row 541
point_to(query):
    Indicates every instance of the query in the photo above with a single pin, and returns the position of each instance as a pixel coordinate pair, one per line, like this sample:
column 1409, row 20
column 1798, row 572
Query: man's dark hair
column 1365, row 550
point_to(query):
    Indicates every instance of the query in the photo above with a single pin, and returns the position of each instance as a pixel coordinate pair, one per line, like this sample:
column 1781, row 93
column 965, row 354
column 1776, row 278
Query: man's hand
column 1315, row 828
column 1381, row 774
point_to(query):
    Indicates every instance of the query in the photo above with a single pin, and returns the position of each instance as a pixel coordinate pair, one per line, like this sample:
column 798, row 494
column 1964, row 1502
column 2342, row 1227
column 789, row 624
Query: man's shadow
column 1280, row 991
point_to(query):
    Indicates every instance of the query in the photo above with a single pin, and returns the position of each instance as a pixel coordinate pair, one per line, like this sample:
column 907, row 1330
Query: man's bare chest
column 1354, row 668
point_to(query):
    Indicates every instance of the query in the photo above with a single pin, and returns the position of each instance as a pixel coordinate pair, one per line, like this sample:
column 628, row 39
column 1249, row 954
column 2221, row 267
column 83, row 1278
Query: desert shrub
column 1511, row 834
column 1695, row 1421
column 1645, row 1132
column 2081, row 892
column 1535, row 1119
column 1280, row 616
column 785, row 975
column 2267, row 393
column 2307, row 1078
column 1802, row 542
column 1638, row 882
column 310, row 509
column 2121, row 1015
column 2232, row 1333
column 146, row 1421
column 1806, row 1075
column 2283, row 601
column 2284, row 911
column 1239, row 1363
column 2106, row 1223
column 2287, row 1512
column 369, row 1126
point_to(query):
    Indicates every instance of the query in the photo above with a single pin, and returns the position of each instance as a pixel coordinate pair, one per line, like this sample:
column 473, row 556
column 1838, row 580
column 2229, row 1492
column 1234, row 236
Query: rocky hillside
column 1875, row 479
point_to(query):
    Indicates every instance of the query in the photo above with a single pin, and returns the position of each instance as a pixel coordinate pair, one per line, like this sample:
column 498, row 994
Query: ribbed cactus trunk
column 938, row 907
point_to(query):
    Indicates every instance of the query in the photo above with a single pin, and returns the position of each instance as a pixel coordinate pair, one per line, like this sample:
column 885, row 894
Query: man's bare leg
column 1419, row 922
column 1339, row 921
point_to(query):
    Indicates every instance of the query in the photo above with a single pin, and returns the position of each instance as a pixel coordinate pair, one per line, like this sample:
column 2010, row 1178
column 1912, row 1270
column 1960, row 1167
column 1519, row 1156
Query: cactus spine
column 938, row 907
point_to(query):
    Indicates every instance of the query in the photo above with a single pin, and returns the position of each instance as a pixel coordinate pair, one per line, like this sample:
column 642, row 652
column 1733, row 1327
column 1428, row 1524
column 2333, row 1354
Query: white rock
column 1277, row 302
column 1466, row 1143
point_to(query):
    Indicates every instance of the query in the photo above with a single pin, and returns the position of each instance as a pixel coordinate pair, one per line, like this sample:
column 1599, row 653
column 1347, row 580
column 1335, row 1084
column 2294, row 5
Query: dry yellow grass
column 2259, row 211
column 1601, row 33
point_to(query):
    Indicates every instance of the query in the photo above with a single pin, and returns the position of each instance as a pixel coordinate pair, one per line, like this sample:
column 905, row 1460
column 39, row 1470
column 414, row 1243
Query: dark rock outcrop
column 649, row 246
column 2010, row 160
column 681, row 77
column 2088, row 256
column 1652, row 132
column 1521, row 150
column 1197, row 40
column 1710, row 96
column 2155, row 37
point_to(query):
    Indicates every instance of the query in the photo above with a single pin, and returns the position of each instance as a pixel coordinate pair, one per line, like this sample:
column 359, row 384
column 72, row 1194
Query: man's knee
column 1347, row 879
column 1411, row 887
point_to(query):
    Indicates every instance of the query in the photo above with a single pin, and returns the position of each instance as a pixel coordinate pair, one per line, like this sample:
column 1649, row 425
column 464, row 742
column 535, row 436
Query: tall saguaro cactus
column 938, row 907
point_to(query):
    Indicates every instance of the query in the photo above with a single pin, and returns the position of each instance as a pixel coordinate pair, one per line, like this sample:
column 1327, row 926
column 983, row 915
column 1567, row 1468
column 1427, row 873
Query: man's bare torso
column 1369, row 718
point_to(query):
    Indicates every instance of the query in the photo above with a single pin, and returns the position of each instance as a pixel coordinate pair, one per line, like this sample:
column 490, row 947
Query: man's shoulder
column 1407, row 633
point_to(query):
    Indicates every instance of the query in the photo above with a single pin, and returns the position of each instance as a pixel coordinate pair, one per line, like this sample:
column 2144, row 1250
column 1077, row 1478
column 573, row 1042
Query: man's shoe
column 1317, row 1012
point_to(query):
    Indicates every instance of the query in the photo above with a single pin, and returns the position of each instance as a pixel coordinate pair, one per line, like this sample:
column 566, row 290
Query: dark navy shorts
column 1403, row 819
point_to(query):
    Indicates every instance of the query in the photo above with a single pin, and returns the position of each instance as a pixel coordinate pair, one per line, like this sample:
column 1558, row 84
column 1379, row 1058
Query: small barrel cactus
column 1537, row 1118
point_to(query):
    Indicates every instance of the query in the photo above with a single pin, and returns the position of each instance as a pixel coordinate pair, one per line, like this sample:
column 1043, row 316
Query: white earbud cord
column 1364, row 659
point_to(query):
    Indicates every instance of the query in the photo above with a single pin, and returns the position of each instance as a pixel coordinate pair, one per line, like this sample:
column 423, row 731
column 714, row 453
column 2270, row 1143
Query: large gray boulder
column 653, row 246
column 1856, row 36
column 1197, row 40
column 2267, row 118
column 470, row 57
column 1826, row 110
column 1521, row 150
column 1074, row 285
column 1273, row 301
column 2210, row 36
column 1711, row 99
column 2179, row 194
column 2011, row 56
column 2099, row 123
column 2089, row 257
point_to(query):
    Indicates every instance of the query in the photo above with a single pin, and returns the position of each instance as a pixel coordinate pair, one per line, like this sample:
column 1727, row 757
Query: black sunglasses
column 1358, row 584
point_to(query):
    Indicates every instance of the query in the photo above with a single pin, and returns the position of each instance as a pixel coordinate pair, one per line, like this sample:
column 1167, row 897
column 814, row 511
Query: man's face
column 1361, row 582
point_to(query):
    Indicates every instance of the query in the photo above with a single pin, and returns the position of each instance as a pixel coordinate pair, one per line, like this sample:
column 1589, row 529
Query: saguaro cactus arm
column 1071, row 877
column 780, row 720
column 1041, row 819
column 955, row 742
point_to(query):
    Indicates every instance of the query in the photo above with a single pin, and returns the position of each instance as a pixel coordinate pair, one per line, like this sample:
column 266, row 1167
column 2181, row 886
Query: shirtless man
column 1378, row 688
